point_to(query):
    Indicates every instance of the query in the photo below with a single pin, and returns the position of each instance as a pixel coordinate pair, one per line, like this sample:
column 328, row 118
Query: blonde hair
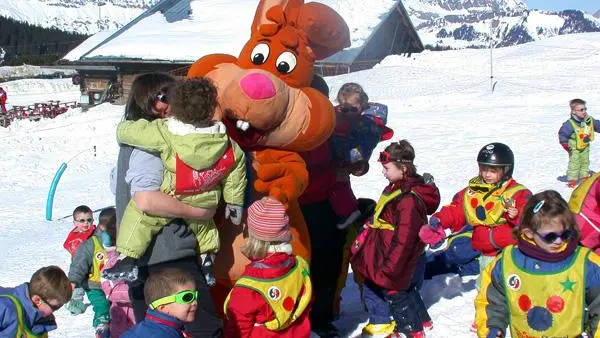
column 352, row 89
column 545, row 206
column 165, row 283
column 256, row 248
column 50, row 283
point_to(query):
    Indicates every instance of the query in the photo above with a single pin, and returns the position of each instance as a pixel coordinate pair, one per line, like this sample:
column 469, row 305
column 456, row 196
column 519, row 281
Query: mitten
column 76, row 305
column 431, row 236
column 434, row 223
column 428, row 178
column 567, row 147
column 234, row 213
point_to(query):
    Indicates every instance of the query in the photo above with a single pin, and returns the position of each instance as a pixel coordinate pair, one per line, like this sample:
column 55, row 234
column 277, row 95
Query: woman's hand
column 157, row 203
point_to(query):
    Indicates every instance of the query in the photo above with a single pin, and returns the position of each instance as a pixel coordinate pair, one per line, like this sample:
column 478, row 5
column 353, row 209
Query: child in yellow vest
column 84, row 274
column 546, row 285
column 575, row 136
column 272, row 298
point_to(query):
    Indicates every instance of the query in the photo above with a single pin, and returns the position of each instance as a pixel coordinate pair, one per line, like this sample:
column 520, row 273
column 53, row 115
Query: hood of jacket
column 428, row 193
column 199, row 148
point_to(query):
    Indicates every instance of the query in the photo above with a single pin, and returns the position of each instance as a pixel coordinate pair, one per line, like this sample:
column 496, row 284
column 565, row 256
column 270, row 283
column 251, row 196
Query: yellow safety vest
column 23, row 331
column 97, row 261
column 580, row 193
column 288, row 295
column 488, row 211
column 384, row 199
column 581, row 131
column 545, row 304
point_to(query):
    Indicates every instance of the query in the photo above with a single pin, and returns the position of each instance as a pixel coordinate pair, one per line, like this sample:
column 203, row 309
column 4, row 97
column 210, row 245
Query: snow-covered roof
column 184, row 30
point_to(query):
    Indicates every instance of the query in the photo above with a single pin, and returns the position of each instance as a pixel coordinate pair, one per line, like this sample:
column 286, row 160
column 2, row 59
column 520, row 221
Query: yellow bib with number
column 22, row 330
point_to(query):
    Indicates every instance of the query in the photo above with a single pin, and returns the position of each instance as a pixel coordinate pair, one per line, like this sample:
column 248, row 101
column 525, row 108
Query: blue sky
column 590, row 6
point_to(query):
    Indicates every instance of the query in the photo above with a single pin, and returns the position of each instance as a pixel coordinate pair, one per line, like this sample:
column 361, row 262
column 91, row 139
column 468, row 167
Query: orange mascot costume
column 270, row 110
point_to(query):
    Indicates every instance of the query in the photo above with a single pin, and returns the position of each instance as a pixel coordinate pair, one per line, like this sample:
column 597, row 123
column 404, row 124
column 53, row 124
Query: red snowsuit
column 452, row 216
column 3, row 98
column 247, row 309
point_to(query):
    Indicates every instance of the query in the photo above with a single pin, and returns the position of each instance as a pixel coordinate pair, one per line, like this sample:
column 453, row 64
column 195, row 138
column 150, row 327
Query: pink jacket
column 117, row 292
column 588, row 219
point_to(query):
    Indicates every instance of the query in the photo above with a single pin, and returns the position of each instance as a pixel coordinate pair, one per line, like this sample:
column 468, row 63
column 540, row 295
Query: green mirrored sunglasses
column 183, row 297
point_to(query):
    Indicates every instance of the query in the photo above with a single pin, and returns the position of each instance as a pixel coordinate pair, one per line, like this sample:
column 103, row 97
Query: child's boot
column 124, row 269
column 378, row 330
column 206, row 265
column 572, row 184
column 427, row 326
column 103, row 330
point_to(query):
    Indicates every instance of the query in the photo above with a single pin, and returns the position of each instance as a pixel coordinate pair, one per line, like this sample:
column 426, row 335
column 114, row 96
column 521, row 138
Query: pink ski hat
column 268, row 221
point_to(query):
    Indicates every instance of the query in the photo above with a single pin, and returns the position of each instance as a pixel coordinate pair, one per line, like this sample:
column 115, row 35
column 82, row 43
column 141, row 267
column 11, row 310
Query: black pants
column 207, row 323
column 327, row 245
column 408, row 310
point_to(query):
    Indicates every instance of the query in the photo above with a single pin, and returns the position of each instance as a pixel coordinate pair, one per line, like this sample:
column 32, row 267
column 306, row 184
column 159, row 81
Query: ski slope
column 440, row 101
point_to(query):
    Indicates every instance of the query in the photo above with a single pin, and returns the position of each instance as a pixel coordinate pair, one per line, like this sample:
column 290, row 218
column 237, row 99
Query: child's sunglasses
column 53, row 307
column 85, row 220
column 385, row 157
column 183, row 297
column 346, row 110
column 551, row 237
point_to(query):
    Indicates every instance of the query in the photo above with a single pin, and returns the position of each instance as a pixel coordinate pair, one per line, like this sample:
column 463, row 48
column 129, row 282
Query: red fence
column 36, row 111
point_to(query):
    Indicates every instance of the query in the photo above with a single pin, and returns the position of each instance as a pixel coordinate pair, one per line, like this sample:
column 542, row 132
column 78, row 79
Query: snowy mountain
column 470, row 23
column 444, row 23
column 597, row 14
column 82, row 16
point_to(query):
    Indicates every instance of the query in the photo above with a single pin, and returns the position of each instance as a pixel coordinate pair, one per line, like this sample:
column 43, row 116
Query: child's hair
column 49, row 283
column 108, row 218
column 352, row 89
column 257, row 248
column 165, row 283
column 404, row 154
column 575, row 102
column 544, row 206
column 143, row 95
column 84, row 209
column 194, row 101
column 319, row 84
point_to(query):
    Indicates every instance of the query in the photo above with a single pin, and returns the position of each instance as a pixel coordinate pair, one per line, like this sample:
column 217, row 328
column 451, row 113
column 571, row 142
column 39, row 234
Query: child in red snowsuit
column 272, row 298
column 83, row 220
column 3, row 98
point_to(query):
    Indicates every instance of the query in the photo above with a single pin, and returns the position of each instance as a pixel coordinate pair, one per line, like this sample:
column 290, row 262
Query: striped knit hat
column 268, row 221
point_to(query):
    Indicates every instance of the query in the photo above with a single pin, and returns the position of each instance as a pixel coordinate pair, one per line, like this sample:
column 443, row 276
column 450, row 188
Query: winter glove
column 234, row 213
column 428, row 178
column 431, row 236
column 182, row 230
column 567, row 147
column 76, row 305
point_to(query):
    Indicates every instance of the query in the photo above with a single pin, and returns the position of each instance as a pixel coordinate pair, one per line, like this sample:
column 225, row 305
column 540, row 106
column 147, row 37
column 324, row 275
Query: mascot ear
column 325, row 29
column 260, row 17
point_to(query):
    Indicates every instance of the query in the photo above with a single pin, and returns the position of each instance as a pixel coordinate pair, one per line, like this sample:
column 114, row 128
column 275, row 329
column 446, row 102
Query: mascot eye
column 260, row 53
column 286, row 62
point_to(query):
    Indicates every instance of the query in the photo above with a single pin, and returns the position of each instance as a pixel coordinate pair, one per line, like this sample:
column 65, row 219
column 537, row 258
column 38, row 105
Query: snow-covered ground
column 440, row 101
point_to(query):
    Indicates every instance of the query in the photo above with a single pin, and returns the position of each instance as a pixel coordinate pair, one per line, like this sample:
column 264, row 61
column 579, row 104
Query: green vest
column 545, row 304
column 22, row 330
column 580, row 193
column 581, row 131
column 486, row 208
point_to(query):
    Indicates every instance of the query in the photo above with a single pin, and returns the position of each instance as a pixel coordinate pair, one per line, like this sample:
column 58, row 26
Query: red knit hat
column 268, row 221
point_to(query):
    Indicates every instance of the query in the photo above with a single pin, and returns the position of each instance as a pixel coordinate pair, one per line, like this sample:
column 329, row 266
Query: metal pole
column 491, row 56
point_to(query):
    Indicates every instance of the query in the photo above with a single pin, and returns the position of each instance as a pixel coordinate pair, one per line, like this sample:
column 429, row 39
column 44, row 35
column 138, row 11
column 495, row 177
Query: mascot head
column 265, row 95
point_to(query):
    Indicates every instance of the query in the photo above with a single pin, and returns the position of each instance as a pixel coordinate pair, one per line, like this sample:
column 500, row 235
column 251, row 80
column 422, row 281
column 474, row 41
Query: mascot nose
column 258, row 86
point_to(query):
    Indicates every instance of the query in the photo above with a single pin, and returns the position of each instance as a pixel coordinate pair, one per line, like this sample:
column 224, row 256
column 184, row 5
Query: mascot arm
column 235, row 183
column 209, row 63
column 143, row 134
column 281, row 174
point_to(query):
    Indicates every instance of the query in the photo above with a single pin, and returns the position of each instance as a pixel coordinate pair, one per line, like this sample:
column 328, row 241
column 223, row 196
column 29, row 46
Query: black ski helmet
column 497, row 155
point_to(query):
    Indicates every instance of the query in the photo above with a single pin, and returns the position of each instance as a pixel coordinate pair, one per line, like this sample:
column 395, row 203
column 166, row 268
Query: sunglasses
column 582, row 109
column 162, row 97
column 385, row 157
column 551, row 237
column 349, row 110
column 183, row 297
column 53, row 307
column 85, row 220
